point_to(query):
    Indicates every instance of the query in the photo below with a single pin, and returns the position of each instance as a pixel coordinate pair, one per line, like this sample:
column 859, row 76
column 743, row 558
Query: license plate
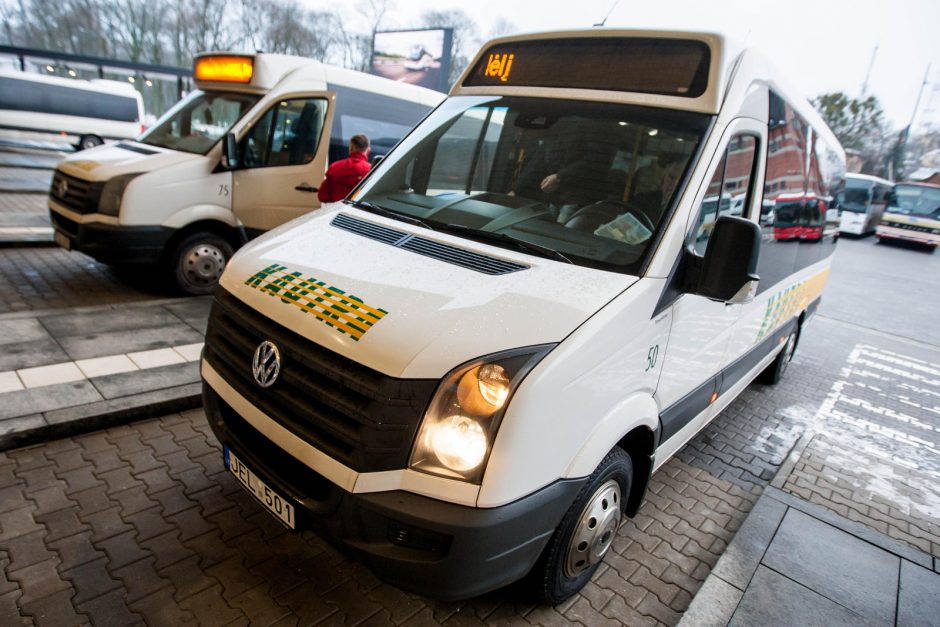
column 63, row 241
column 275, row 503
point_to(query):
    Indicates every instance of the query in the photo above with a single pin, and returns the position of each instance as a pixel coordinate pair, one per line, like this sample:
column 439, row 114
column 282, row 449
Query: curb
column 28, row 243
column 69, row 421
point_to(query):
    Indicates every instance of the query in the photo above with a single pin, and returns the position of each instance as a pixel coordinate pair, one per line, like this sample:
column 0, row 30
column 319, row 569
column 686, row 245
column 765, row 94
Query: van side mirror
column 230, row 152
column 728, row 271
column 377, row 159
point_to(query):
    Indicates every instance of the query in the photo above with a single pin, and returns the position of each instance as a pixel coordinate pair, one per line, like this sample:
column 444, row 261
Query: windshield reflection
column 199, row 121
column 592, row 181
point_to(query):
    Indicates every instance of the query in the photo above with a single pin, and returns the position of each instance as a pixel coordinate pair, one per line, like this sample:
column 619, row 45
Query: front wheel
column 586, row 531
column 774, row 372
column 198, row 262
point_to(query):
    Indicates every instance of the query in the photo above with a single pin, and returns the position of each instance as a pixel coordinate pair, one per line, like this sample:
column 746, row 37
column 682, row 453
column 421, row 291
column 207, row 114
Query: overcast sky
column 822, row 45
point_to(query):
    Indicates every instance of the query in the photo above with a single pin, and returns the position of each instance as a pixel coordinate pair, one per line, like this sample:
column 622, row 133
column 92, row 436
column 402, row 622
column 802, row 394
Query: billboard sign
column 419, row 57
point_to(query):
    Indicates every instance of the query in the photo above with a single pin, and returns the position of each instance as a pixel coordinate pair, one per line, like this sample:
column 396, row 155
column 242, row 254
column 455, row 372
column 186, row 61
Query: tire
column 774, row 372
column 198, row 260
column 89, row 141
column 577, row 548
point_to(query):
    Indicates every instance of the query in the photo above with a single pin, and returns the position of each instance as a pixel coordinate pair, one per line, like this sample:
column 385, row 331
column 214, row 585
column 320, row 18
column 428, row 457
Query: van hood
column 104, row 162
column 402, row 313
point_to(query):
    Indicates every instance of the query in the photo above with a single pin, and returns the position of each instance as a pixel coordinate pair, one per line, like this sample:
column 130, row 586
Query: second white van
column 80, row 112
column 242, row 154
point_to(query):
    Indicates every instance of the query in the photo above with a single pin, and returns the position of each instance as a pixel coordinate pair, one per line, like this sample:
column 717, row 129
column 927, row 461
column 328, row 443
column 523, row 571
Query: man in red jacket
column 345, row 174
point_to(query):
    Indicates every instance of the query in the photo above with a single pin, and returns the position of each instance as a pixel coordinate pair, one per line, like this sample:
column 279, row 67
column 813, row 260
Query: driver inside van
column 562, row 169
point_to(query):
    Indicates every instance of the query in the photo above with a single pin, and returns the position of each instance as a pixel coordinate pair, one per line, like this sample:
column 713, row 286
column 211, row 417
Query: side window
column 288, row 134
column 729, row 190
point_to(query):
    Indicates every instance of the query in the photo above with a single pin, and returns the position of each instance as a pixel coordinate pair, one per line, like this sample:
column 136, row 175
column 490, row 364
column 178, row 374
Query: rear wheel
column 89, row 141
column 586, row 531
column 198, row 261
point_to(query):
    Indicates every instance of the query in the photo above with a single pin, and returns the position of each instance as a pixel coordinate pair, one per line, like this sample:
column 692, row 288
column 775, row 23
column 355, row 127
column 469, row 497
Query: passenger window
column 729, row 190
column 288, row 134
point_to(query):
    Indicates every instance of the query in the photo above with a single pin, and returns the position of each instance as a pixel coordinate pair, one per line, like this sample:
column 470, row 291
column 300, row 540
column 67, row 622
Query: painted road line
column 83, row 369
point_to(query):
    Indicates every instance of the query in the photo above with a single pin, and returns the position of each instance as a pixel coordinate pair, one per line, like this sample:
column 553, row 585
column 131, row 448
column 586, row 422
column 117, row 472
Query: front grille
column 427, row 247
column 356, row 415
column 80, row 196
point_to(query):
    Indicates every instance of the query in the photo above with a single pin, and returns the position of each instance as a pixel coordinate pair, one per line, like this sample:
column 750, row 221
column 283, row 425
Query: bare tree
column 202, row 25
column 502, row 27
column 65, row 25
column 135, row 27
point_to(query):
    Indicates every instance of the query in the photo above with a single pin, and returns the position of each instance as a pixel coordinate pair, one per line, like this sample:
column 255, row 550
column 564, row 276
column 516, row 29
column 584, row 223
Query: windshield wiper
column 388, row 213
column 502, row 238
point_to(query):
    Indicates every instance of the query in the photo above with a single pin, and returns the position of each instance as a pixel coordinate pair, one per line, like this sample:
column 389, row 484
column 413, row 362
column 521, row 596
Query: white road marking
column 83, row 369
column 857, row 432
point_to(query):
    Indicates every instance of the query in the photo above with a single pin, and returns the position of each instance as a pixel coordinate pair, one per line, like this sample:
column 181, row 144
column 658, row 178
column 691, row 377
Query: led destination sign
column 671, row 67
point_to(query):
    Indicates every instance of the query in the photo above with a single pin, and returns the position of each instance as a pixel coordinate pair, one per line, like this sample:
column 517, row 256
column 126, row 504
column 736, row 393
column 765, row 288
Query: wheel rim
column 595, row 530
column 203, row 264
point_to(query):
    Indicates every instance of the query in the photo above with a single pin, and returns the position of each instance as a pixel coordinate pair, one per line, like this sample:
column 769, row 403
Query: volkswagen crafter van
column 467, row 372
column 174, row 197
column 84, row 113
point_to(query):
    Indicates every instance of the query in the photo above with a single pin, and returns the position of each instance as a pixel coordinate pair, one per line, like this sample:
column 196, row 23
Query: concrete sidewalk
column 71, row 370
column 796, row 563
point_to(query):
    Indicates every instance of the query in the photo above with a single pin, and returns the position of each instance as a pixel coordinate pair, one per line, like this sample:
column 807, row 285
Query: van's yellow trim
column 790, row 301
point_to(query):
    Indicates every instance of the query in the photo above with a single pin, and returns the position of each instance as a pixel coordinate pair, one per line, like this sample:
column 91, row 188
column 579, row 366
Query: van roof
column 724, row 80
column 271, row 69
column 867, row 177
column 721, row 55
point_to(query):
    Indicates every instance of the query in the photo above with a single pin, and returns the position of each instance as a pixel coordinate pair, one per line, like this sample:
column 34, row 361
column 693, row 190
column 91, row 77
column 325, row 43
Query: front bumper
column 112, row 243
column 924, row 237
column 430, row 547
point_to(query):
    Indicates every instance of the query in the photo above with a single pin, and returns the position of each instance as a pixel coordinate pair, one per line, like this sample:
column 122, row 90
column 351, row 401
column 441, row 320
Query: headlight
column 110, row 203
column 460, row 425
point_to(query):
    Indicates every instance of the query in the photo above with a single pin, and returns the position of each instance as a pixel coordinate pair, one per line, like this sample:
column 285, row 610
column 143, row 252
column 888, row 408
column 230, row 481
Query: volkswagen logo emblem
column 266, row 364
column 63, row 188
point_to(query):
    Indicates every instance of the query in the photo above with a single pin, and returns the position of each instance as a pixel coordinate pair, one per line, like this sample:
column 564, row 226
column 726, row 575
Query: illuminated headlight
column 113, row 191
column 460, row 425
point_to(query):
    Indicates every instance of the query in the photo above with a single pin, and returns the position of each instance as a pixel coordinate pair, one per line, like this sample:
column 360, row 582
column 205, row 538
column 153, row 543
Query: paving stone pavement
column 39, row 278
column 32, row 205
column 142, row 523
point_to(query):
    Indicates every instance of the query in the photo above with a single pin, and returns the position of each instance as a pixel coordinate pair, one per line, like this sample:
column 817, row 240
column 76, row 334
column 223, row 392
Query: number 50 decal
column 651, row 358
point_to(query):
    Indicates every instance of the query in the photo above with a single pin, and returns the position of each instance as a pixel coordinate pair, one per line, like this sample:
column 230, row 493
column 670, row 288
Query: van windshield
column 199, row 121
column 592, row 181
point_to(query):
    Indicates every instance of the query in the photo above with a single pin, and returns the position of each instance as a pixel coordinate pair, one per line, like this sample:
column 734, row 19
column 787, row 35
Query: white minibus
column 466, row 373
column 85, row 113
column 240, row 155
column 862, row 203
